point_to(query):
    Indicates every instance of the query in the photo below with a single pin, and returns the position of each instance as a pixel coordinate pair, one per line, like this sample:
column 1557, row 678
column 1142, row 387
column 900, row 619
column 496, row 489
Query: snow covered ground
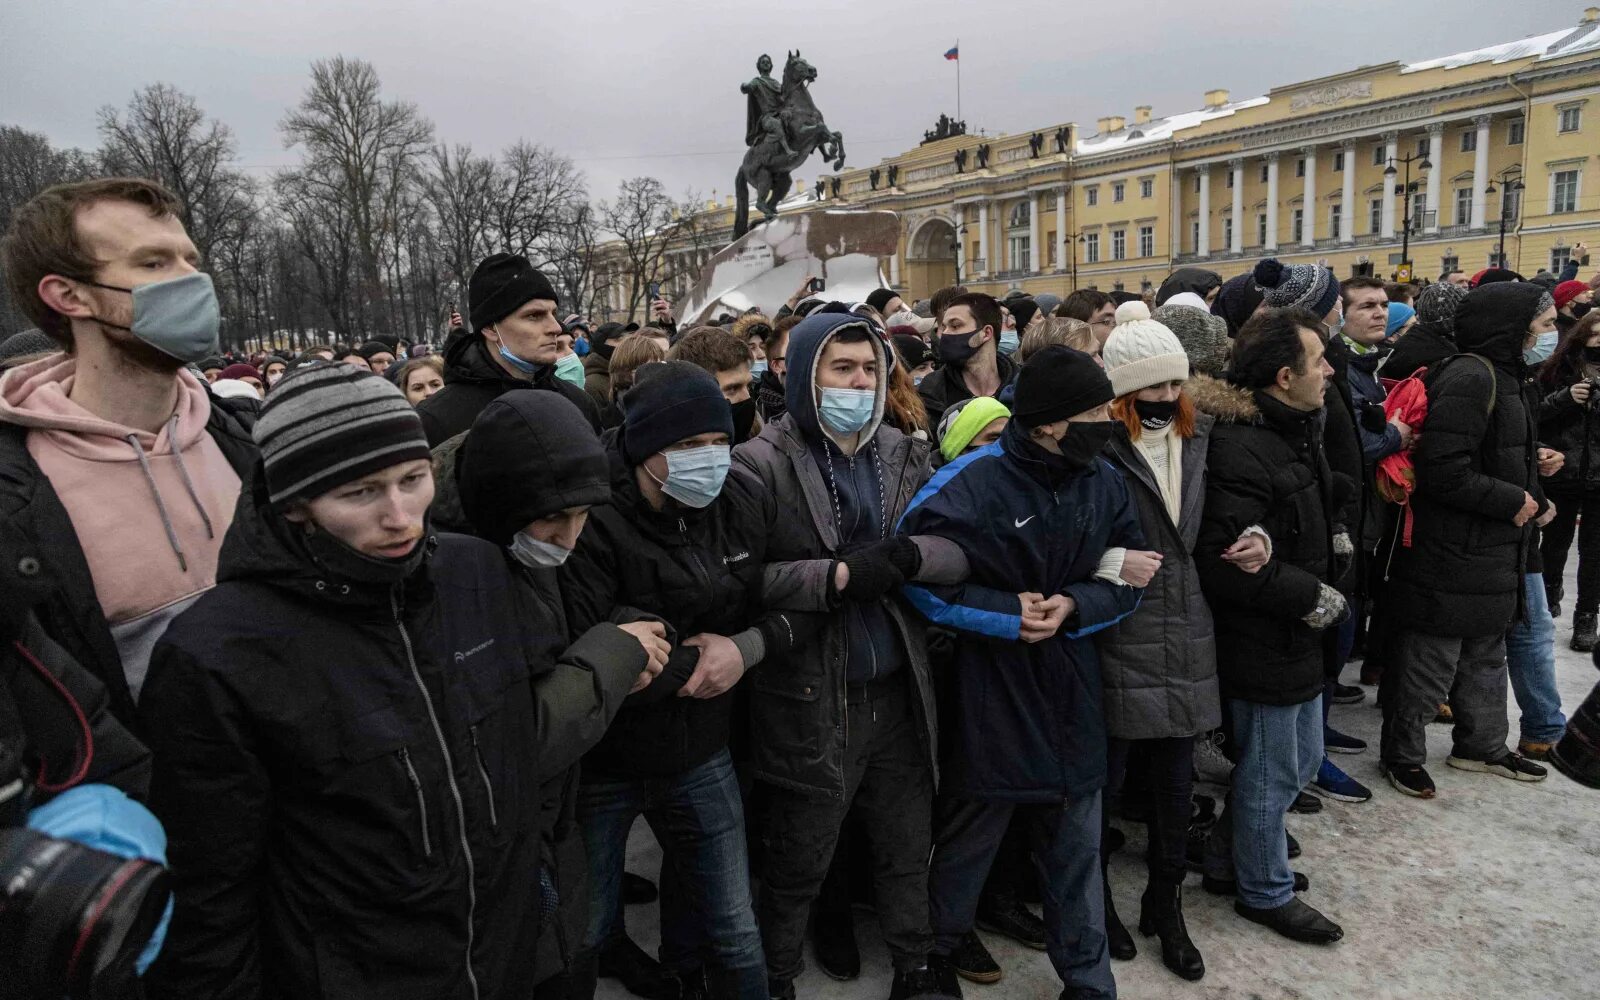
column 1490, row 890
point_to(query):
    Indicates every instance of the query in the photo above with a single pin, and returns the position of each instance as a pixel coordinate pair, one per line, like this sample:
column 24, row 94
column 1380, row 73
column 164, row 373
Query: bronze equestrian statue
column 782, row 128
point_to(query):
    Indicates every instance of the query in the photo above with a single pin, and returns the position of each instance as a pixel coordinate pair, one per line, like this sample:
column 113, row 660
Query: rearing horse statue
column 771, row 159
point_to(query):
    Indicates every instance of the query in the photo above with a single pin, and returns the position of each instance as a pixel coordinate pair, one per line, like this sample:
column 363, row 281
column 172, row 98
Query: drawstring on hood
column 155, row 491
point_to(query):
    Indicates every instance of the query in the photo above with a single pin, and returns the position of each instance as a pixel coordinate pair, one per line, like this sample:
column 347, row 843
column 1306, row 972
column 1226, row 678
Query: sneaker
column 1584, row 625
column 1210, row 765
column 1534, row 750
column 1409, row 779
column 1336, row 742
column 1306, row 805
column 1332, row 783
column 972, row 961
column 1016, row 922
column 1507, row 765
column 1445, row 716
column 933, row 981
column 1348, row 694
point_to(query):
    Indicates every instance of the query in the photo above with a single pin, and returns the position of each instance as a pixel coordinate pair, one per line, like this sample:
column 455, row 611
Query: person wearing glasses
column 1094, row 307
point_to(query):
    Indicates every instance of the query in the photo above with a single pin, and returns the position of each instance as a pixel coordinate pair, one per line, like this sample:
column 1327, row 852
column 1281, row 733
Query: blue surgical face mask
column 525, row 367
column 570, row 368
column 695, row 475
column 534, row 554
column 1542, row 348
column 846, row 411
column 1009, row 342
column 178, row 317
column 757, row 369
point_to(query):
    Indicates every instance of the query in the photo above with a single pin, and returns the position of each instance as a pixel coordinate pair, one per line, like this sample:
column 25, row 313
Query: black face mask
column 1592, row 355
column 602, row 349
column 1084, row 442
column 1155, row 414
column 340, row 560
column 1581, row 309
column 744, row 420
column 955, row 349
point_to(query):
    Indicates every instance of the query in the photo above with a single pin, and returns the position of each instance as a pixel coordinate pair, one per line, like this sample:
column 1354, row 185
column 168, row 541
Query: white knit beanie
column 1141, row 352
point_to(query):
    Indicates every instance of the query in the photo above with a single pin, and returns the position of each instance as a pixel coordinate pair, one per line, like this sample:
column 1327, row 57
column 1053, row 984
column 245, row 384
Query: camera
column 73, row 919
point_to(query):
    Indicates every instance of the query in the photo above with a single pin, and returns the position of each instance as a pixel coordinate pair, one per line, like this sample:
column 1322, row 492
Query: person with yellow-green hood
column 971, row 424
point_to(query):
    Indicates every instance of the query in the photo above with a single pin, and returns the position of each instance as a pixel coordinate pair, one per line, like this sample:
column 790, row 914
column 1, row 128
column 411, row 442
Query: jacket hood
column 36, row 396
column 530, row 453
column 1494, row 319
column 467, row 360
column 1228, row 403
column 806, row 343
column 1188, row 279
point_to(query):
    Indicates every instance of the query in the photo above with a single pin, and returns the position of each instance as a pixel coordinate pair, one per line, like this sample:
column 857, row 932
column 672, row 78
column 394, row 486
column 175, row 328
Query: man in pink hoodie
column 116, row 463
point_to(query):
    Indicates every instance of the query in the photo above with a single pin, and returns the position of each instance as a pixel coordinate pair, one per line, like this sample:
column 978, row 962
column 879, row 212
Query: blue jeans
column 699, row 820
column 1279, row 750
column 1531, row 659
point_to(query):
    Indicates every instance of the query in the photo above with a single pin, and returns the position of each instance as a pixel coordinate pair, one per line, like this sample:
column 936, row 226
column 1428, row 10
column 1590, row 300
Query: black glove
column 880, row 567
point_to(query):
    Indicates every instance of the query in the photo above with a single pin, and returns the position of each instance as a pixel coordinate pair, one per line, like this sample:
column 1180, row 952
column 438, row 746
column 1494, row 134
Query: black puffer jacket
column 472, row 380
column 1266, row 467
column 48, row 551
column 698, row 571
column 1572, row 428
column 1462, row 574
column 349, row 776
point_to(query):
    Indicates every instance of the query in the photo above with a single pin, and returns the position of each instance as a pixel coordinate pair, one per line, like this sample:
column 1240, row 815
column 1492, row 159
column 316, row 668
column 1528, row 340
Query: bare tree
column 163, row 135
column 571, row 251
column 641, row 218
column 28, row 165
column 361, row 153
column 461, row 192
column 534, row 188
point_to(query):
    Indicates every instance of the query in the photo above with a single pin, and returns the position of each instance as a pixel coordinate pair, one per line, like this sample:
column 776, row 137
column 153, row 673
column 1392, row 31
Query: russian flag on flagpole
column 954, row 53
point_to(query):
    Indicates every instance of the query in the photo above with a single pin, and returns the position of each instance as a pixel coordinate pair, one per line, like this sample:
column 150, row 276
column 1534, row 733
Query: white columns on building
column 1347, row 207
column 1237, row 245
column 1035, row 251
column 1436, row 158
column 1308, row 211
column 1480, row 173
column 1391, row 153
column 1061, row 228
column 983, row 240
column 1272, row 203
column 1203, row 245
column 894, row 268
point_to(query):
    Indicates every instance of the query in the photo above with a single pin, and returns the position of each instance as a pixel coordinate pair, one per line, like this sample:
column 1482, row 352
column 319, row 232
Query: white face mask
column 534, row 554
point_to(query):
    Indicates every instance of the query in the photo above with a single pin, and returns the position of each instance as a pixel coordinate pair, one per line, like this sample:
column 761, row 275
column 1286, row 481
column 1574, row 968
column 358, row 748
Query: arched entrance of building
column 930, row 258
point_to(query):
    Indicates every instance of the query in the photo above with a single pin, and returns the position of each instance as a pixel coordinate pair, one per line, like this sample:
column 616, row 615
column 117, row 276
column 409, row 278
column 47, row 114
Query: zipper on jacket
column 422, row 801
column 450, row 775
column 483, row 772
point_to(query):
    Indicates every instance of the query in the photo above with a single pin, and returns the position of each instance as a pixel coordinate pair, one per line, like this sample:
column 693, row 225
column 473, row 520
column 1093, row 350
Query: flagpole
column 958, row 79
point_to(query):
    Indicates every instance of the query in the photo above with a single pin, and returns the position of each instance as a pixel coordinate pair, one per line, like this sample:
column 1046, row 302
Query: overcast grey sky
column 630, row 89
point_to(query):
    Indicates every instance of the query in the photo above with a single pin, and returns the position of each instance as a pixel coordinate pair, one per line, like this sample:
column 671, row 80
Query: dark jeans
column 1066, row 847
column 698, row 818
column 1557, row 541
column 889, row 782
column 1170, row 786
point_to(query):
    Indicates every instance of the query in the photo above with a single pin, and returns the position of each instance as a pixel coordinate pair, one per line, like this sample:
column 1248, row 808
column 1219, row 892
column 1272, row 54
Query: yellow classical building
column 1428, row 160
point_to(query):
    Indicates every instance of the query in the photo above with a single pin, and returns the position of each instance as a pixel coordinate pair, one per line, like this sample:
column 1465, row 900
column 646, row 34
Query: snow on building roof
column 1551, row 45
column 1159, row 129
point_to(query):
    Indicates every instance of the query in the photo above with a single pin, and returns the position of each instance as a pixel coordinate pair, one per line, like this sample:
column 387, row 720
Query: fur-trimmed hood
column 1225, row 401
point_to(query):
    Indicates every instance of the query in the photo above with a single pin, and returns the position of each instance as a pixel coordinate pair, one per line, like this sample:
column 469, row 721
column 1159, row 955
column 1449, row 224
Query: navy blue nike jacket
column 1025, row 719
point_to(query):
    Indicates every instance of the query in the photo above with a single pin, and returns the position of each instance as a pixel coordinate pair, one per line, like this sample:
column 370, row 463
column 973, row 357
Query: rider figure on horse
column 761, row 115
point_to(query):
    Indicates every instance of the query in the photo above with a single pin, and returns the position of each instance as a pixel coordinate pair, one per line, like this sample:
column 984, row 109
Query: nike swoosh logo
column 1026, row 520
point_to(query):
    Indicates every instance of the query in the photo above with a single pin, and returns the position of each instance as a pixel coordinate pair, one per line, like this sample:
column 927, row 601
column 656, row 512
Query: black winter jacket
column 472, row 379
column 944, row 387
column 1462, row 574
column 1419, row 348
column 69, row 611
column 1573, row 429
column 349, row 775
column 696, row 570
column 1267, row 467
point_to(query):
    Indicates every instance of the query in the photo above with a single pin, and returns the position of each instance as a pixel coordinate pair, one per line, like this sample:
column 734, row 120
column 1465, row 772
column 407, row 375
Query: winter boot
column 1583, row 631
column 1117, row 937
column 1161, row 913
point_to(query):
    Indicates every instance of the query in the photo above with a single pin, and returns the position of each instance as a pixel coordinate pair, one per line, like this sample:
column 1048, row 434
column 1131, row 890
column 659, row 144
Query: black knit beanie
column 880, row 297
column 670, row 401
column 326, row 425
column 1058, row 383
column 499, row 287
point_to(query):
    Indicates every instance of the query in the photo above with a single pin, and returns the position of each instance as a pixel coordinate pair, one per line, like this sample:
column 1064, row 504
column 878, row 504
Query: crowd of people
column 384, row 649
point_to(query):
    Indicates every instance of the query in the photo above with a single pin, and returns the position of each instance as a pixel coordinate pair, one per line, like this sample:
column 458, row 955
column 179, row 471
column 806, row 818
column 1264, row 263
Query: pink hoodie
column 149, row 510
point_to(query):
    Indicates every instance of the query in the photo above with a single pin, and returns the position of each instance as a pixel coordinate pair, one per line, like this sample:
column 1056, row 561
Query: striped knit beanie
column 331, row 424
